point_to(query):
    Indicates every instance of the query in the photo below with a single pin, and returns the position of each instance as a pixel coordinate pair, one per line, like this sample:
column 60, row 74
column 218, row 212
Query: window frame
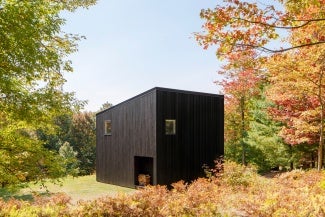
column 171, row 131
column 106, row 132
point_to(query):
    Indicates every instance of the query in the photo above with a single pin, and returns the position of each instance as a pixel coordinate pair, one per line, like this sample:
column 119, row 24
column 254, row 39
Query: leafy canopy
column 238, row 26
column 287, row 38
column 33, row 60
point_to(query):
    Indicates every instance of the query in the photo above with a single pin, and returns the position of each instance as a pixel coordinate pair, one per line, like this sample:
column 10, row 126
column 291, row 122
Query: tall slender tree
column 240, row 85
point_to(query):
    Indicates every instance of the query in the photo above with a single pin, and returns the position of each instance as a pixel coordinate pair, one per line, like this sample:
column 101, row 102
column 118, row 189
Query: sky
column 133, row 46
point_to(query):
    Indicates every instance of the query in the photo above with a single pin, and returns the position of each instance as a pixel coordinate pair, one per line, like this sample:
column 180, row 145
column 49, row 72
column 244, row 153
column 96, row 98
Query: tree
column 23, row 158
column 300, row 106
column 77, row 130
column 105, row 106
column 301, row 72
column 33, row 60
column 33, row 56
column 238, row 26
column 69, row 159
column 83, row 140
column 240, row 86
column 266, row 149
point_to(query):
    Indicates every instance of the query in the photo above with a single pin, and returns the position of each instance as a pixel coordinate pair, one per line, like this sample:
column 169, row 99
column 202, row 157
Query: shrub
column 234, row 191
column 238, row 175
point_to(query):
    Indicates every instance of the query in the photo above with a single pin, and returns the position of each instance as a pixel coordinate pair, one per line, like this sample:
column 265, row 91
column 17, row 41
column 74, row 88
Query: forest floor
column 78, row 188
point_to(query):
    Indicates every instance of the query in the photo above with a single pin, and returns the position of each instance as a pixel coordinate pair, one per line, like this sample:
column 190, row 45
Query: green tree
column 78, row 130
column 69, row 159
column 23, row 157
column 33, row 60
column 83, row 140
column 265, row 148
column 105, row 106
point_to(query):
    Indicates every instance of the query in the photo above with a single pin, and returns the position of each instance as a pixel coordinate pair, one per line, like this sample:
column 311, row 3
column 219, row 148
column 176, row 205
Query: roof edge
column 125, row 101
column 161, row 89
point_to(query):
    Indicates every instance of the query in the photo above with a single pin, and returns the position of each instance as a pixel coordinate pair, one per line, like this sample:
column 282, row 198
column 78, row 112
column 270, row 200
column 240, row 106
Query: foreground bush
column 56, row 205
column 238, row 191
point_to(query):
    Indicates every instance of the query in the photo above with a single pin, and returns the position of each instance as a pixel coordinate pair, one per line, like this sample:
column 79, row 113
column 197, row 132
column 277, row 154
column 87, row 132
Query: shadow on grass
column 9, row 193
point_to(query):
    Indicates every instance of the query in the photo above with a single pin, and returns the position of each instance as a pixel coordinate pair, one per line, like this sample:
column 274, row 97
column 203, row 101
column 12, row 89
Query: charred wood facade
column 165, row 133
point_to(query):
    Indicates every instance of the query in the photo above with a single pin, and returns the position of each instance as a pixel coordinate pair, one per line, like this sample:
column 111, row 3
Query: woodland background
column 273, row 56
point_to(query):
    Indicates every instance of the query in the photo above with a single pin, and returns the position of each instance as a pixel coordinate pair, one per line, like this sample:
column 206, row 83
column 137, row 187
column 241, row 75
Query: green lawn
column 81, row 188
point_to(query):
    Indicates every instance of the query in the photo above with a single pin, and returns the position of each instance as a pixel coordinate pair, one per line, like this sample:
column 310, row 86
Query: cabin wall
column 199, row 137
column 133, row 134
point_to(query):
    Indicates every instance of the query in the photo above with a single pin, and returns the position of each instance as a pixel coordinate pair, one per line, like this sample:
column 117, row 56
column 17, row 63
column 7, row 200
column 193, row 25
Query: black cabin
column 165, row 133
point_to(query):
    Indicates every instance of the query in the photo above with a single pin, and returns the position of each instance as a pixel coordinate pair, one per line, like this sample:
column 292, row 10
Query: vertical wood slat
column 199, row 134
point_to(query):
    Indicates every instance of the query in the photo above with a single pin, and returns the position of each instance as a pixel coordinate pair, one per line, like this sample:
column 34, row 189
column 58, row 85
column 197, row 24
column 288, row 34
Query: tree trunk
column 243, row 157
column 291, row 160
column 242, row 106
column 321, row 142
column 313, row 164
column 320, row 155
column 321, row 136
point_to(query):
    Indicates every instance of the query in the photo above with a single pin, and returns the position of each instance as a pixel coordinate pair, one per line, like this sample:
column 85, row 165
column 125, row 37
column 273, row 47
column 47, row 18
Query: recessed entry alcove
column 144, row 166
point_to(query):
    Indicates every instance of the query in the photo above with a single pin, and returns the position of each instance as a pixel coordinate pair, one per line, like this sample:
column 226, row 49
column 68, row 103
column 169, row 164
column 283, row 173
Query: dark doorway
column 144, row 166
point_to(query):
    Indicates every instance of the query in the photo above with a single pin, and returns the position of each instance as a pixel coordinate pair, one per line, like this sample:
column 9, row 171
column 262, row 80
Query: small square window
column 170, row 127
column 108, row 127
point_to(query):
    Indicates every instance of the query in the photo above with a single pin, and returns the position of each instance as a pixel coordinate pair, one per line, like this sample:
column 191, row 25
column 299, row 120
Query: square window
column 108, row 127
column 170, row 127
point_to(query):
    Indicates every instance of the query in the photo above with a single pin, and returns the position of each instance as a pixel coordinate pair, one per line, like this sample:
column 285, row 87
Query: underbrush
column 237, row 191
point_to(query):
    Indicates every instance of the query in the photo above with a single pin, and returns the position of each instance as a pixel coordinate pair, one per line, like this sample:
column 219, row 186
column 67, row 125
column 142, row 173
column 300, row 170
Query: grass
column 80, row 188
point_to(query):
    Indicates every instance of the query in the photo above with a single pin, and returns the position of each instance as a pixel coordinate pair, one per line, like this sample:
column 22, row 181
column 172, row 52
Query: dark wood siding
column 138, row 141
column 199, row 134
column 133, row 134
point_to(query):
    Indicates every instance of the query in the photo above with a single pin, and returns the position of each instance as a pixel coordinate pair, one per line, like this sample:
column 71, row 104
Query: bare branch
column 306, row 22
column 280, row 50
